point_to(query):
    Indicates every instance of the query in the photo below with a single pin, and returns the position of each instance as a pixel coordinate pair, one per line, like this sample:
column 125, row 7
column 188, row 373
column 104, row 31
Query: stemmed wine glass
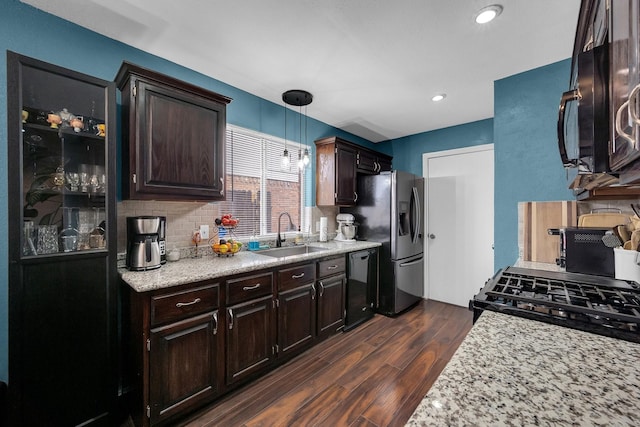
column 74, row 180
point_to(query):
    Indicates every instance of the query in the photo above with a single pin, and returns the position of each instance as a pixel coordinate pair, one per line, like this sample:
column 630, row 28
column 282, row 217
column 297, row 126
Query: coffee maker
column 143, row 248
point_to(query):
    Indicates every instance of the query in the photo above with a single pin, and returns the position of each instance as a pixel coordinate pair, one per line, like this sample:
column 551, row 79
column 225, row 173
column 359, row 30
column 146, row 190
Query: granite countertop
column 515, row 371
column 190, row 270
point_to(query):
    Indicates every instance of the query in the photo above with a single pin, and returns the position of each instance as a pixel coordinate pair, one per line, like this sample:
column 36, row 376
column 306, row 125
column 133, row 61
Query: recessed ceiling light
column 439, row 97
column 488, row 13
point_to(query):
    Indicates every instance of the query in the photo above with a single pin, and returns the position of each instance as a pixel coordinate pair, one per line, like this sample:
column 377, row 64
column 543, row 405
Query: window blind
column 257, row 188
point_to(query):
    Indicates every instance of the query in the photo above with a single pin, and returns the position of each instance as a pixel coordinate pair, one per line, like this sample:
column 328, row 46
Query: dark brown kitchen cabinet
column 62, row 286
column 331, row 287
column 296, row 309
column 370, row 162
column 183, row 359
column 338, row 163
column 335, row 173
column 173, row 137
column 251, row 331
column 175, row 351
column 250, row 338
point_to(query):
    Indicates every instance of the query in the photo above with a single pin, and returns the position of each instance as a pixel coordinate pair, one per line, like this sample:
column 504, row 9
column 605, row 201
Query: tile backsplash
column 184, row 217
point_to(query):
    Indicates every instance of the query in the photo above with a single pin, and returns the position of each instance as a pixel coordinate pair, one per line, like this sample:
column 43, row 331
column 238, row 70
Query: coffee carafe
column 143, row 248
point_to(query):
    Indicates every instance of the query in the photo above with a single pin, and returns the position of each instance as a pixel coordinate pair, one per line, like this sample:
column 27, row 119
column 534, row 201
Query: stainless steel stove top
column 597, row 304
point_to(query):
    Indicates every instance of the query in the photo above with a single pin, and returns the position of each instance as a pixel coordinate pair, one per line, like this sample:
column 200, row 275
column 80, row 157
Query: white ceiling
column 371, row 65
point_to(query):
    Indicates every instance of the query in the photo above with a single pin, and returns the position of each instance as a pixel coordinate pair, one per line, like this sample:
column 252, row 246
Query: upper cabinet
column 338, row 163
column 371, row 162
column 173, row 137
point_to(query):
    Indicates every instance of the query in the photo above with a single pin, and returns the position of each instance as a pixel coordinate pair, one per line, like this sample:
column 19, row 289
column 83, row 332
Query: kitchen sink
column 291, row 251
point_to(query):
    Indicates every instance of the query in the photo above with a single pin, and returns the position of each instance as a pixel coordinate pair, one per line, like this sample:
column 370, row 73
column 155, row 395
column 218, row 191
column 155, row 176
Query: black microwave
column 583, row 118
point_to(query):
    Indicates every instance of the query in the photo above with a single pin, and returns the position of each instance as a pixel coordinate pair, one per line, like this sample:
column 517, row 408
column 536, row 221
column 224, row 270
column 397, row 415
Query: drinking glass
column 74, row 180
column 84, row 182
column 47, row 239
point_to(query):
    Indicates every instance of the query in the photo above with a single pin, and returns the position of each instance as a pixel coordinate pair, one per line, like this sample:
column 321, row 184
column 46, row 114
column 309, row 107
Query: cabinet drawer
column 246, row 288
column 178, row 305
column 293, row 277
column 331, row 266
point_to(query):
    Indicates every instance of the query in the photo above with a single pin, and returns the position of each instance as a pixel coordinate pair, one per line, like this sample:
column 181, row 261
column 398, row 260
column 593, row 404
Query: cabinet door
column 331, row 305
column 183, row 361
column 384, row 164
column 367, row 162
column 250, row 338
column 181, row 144
column 296, row 319
column 345, row 176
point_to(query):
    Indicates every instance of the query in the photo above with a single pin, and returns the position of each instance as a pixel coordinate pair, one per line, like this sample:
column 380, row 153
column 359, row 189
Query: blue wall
column 407, row 151
column 523, row 130
column 527, row 163
column 30, row 32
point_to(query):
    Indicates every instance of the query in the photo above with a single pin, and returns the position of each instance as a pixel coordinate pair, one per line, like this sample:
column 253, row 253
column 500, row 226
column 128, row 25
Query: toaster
column 582, row 251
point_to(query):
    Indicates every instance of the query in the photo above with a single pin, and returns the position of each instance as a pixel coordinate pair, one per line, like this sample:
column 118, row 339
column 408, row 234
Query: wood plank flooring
column 374, row 375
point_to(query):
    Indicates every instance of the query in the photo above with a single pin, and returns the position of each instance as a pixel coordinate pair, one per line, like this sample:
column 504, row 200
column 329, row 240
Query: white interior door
column 459, row 222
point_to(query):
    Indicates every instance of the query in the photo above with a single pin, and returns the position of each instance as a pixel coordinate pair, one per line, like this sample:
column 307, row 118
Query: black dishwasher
column 362, row 286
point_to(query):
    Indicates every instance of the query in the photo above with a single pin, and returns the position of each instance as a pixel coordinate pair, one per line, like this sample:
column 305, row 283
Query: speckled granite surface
column 511, row 371
column 189, row 270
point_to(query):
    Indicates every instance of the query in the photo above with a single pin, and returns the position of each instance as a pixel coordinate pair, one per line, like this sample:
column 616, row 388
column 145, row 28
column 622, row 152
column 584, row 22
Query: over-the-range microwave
column 583, row 118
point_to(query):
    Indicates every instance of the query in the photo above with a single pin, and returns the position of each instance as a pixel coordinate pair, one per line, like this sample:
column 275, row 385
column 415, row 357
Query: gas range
column 597, row 304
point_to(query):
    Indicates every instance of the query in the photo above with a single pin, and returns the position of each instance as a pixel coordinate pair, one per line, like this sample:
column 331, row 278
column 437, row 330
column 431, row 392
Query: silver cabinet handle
column 250, row 288
column 230, row 318
column 297, row 276
column 332, row 267
column 184, row 304
column 355, row 198
column 222, row 189
column 321, row 288
column 313, row 291
column 215, row 322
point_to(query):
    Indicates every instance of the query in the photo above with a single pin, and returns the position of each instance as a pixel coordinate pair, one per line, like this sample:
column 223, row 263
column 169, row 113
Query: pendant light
column 298, row 98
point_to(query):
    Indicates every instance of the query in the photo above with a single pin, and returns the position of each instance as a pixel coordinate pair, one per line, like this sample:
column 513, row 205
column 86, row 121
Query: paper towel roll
column 323, row 229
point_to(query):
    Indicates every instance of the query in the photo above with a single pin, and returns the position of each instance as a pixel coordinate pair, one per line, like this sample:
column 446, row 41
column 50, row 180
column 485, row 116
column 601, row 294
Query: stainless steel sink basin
column 291, row 251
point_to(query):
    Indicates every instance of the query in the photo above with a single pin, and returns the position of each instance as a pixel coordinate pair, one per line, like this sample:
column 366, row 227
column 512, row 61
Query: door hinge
column 134, row 178
column 135, row 90
column 148, row 411
column 335, row 196
column 148, row 345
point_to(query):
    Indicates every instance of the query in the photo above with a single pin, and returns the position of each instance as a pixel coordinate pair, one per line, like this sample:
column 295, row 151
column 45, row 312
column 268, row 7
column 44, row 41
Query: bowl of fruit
column 227, row 221
column 226, row 247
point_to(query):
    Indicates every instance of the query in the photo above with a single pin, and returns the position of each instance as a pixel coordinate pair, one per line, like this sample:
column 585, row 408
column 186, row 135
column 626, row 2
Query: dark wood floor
column 374, row 375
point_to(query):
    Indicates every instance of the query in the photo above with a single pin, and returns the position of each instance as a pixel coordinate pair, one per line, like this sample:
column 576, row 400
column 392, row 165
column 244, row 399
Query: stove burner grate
column 592, row 303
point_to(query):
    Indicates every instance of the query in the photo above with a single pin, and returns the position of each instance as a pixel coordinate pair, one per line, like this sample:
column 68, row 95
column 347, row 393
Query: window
column 257, row 189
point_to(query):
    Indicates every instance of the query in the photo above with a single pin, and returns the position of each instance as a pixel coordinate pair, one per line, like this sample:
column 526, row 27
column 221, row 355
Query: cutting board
column 538, row 217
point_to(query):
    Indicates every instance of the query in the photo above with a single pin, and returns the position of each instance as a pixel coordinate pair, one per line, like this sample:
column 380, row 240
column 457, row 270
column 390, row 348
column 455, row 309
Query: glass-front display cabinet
column 62, row 244
column 64, row 180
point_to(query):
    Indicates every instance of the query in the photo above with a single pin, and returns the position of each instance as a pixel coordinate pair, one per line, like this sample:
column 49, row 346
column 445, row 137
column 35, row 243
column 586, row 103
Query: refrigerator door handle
column 416, row 212
column 407, row 264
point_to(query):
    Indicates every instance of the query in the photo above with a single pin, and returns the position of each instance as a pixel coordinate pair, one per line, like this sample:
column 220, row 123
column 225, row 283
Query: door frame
column 425, row 173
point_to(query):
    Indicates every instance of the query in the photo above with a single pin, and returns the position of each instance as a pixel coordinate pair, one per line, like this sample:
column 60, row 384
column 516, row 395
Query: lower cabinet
column 331, row 308
column 250, row 338
column 193, row 343
column 331, row 287
column 296, row 309
column 183, row 359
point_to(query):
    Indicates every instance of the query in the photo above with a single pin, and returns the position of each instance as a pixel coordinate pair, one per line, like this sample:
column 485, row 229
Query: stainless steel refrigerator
column 390, row 211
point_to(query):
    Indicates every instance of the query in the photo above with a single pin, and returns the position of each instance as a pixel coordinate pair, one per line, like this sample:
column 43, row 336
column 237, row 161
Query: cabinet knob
column 432, row 236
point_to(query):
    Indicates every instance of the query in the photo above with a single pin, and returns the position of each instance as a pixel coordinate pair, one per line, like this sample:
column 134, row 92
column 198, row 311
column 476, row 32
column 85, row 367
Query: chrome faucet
column 279, row 239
